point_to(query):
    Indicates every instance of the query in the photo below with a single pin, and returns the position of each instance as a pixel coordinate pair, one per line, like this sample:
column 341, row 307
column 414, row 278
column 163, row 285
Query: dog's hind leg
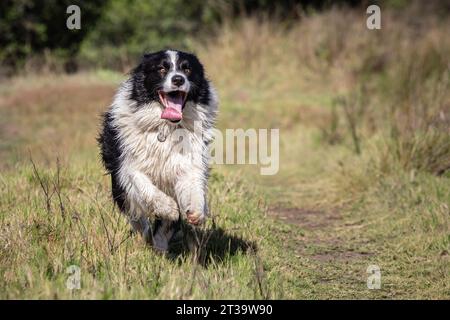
column 164, row 231
column 143, row 227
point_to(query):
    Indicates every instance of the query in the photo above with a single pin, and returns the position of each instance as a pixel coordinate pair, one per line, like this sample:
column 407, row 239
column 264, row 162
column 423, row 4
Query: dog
column 154, row 176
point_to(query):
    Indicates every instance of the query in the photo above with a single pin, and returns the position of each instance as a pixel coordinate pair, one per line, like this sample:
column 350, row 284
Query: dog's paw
column 167, row 209
column 195, row 218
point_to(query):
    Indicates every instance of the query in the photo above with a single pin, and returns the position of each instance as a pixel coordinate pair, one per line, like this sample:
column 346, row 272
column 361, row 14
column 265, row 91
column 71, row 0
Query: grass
column 309, row 232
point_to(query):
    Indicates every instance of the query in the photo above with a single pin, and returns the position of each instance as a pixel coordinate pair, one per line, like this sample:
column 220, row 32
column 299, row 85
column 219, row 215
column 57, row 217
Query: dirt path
column 336, row 260
column 319, row 230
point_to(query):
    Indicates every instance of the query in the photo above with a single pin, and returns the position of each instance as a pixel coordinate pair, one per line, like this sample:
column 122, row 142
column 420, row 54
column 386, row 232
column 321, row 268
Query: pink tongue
column 173, row 109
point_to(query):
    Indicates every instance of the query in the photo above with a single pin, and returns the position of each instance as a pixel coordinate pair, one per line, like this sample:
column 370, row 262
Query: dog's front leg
column 142, row 194
column 191, row 192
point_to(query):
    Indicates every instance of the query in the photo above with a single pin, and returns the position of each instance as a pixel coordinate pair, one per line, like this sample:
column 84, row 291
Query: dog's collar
column 163, row 131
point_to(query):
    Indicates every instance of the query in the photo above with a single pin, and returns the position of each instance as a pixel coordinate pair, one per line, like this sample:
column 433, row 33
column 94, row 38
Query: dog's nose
column 177, row 80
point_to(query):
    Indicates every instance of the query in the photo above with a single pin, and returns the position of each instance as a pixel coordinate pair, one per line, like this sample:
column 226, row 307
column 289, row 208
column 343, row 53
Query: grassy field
column 364, row 158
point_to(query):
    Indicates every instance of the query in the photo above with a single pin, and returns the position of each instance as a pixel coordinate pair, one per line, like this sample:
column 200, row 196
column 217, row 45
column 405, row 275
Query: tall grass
column 391, row 83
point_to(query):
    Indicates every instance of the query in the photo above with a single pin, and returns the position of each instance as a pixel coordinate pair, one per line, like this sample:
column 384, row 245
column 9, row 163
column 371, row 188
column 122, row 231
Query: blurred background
column 364, row 119
column 114, row 33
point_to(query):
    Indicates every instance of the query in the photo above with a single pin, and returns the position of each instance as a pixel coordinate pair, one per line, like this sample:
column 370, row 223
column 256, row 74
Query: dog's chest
column 163, row 161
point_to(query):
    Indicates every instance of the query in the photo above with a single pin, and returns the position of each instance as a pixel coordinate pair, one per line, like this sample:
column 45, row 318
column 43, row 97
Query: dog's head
column 172, row 78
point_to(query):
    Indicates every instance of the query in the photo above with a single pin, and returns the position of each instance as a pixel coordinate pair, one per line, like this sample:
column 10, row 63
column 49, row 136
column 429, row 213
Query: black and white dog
column 165, row 105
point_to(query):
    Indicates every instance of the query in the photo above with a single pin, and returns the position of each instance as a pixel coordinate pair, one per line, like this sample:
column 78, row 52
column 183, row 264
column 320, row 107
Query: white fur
column 167, row 85
column 162, row 179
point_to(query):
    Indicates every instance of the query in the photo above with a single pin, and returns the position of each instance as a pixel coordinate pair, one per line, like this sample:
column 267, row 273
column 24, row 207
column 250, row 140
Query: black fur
column 110, row 153
column 147, row 79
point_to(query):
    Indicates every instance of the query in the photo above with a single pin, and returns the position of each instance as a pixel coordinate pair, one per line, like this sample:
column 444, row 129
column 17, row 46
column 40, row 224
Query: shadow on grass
column 206, row 246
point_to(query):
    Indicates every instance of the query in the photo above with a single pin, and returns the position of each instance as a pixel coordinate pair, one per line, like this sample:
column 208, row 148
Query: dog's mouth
column 173, row 102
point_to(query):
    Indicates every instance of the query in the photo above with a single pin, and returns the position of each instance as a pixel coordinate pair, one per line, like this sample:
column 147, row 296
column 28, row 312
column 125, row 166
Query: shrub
column 31, row 28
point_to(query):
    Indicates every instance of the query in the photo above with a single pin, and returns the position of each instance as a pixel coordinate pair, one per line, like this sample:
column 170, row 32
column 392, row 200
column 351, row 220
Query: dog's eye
column 187, row 70
column 162, row 70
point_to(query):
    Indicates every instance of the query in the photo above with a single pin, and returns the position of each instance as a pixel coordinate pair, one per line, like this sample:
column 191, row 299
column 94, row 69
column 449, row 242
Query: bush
column 408, row 96
column 31, row 28
column 127, row 29
column 34, row 31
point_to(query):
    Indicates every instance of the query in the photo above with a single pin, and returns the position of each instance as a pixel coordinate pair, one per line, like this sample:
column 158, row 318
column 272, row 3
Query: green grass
column 346, row 219
column 39, row 244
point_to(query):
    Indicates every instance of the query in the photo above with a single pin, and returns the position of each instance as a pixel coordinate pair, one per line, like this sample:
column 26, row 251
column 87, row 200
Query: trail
column 329, row 243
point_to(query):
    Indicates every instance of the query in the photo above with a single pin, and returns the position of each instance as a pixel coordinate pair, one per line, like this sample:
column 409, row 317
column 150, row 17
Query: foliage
column 115, row 32
column 30, row 27
column 127, row 29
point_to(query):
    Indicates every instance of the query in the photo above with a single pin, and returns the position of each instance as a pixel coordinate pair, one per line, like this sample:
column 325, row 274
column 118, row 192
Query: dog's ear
column 150, row 59
column 148, row 55
column 145, row 64
column 152, row 55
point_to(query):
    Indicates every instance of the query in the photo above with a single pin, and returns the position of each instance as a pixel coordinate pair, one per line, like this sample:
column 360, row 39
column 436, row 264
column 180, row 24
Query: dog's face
column 171, row 78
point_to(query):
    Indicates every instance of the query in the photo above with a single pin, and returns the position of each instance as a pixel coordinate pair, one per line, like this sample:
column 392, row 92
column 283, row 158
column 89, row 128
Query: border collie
column 166, row 104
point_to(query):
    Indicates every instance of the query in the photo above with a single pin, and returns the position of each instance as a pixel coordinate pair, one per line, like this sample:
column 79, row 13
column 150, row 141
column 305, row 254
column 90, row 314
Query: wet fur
column 151, row 178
